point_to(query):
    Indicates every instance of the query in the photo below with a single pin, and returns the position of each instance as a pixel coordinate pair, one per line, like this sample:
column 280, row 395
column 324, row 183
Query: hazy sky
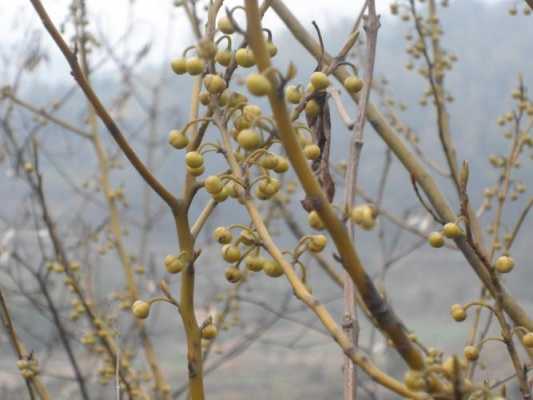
column 152, row 21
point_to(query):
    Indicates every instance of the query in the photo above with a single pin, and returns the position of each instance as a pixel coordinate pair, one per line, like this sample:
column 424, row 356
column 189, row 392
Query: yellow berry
column 141, row 309
column 223, row 57
column 269, row 161
column 272, row 49
column 194, row 159
column 214, row 84
column 436, row 239
column 451, row 230
column 258, row 85
column 312, row 108
column 363, row 215
column 209, row 331
column 269, row 186
column 294, row 95
column 196, row 171
column 317, row 243
column 254, row 263
column 527, row 340
column 233, row 274
column 205, row 98
column 213, row 184
column 195, row 66
column 231, row 253
column 319, row 80
column 224, row 25
column 312, row 151
column 504, row 264
column 179, row 65
column 458, row 312
column 281, row 166
column 178, row 139
column 249, row 139
column 222, row 235
column 353, row 84
column 173, row 264
column 242, row 123
column 315, row 221
column 245, row 58
column 28, row 167
column 471, row 353
column 222, row 195
column 251, row 112
column 272, row 268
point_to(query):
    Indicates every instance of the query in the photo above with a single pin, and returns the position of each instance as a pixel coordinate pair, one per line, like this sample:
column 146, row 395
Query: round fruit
column 269, row 161
column 214, row 84
column 272, row 49
column 173, row 264
column 194, row 159
column 247, row 237
column 195, row 66
column 315, row 221
column 317, row 243
column 179, row 65
column 269, row 186
column 452, row 230
column 222, row 195
column 251, row 112
column 293, row 94
column 178, row 139
column 436, row 239
column 209, row 331
column 196, row 171
column 245, row 58
column 249, row 139
column 504, row 264
column 231, row 253
column 527, row 340
column 141, row 309
column 272, row 268
column 222, row 235
column 205, row 98
column 312, row 108
column 353, row 84
column 471, row 353
column 224, row 25
column 242, row 123
column 281, row 166
column 254, row 263
column 223, row 57
column 233, row 274
column 319, row 80
column 258, row 85
column 458, row 313
column 213, row 184
column 311, row 151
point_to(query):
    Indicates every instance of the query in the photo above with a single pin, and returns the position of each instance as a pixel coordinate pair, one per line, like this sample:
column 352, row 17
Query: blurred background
column 272, row 346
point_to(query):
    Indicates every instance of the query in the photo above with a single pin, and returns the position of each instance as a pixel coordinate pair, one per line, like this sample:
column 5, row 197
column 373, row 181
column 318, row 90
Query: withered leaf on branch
column 320, row 126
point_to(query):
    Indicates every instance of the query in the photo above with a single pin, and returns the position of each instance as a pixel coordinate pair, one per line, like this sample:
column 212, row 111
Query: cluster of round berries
column 28, row 367
column 231, row 253
column 318, row 81
column 450, row 230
